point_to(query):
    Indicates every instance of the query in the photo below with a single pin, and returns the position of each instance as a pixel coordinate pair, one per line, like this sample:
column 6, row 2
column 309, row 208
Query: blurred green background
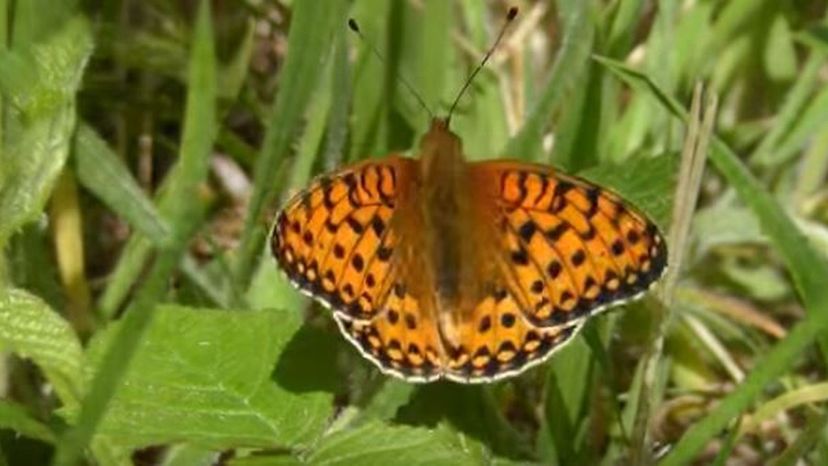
column 145, row 147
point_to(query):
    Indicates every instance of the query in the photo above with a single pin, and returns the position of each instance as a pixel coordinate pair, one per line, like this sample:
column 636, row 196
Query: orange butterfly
column 440, row 268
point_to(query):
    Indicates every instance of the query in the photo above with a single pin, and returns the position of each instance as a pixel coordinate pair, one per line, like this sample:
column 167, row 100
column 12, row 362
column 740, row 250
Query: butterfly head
column 441, row 150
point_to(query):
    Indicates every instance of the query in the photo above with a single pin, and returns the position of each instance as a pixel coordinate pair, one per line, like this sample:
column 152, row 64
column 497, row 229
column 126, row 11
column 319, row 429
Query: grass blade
column 312, row 29
column 570, row 66
column 196, row 147
column 101, row 171
column 807, row 267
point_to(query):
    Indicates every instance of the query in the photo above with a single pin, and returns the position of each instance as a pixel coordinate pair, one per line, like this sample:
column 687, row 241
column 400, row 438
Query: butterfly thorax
column 448, row 215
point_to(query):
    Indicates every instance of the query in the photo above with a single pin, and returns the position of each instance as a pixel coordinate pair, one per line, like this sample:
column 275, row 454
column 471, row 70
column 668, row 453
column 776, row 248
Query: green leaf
column 267, row 460
column 567, row 388
column 16, row 418
column 434, row 58
column 101, row 171
column 36, row 20
column 40, row 83
column 647, row 182
column 724, row 224
column 780, row 55
column 31, row 329
column 473, row 410
column 385, row 403
column 380, row 444
column 205, row 377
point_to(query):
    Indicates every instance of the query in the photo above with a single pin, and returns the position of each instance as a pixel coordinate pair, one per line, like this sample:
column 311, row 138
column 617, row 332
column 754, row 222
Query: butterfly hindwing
column 402, row 339
column 573, row 248
column 500, row 341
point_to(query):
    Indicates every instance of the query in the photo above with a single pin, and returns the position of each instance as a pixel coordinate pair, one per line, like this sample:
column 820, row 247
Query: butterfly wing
column 500, row 341
column 339, row 241
column 573, row 248
column 332, row 239
column 402, row 340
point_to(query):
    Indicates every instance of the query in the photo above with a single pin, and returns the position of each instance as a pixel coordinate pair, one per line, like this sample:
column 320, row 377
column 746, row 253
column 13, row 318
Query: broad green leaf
column 473, row 410
column 40, row 84
column 278, row 459
column 481, row 119
column 384, row 404
column 380, row 444
column 271, row 289
column 206, row 377
column 646, row 182
column 31, row 329
column 37, row 20
column 723, row 224
column 567, row 388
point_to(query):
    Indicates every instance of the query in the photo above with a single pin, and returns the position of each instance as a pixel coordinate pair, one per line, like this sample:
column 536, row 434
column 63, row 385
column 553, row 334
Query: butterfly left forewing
column 572, row 248
column 334, row 240
column 347, row 242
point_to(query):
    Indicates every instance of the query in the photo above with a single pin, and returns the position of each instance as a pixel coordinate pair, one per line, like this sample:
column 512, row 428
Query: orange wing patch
column 402, row 340
column 499, row 341
column 574, row 249
column 333, row 240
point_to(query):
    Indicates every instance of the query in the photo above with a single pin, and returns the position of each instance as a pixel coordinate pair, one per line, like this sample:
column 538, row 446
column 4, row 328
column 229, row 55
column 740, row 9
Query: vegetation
column 146, row 145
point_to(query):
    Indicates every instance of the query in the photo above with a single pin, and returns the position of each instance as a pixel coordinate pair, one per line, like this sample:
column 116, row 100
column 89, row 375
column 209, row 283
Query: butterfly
column 437, row 267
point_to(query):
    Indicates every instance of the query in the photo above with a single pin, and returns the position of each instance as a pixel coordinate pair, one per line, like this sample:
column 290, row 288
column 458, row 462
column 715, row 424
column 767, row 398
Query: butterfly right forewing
column 572, row 248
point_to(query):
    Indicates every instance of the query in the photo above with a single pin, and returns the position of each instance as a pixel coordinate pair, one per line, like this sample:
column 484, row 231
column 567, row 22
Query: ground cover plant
column 145, row 147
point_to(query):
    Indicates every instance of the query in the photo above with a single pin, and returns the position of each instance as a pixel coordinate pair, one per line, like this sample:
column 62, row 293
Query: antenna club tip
column 353, row 24
column 513, row 11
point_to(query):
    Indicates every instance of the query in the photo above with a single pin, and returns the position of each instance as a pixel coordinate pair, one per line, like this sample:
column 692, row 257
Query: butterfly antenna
column 352, row 24
column 513, row 11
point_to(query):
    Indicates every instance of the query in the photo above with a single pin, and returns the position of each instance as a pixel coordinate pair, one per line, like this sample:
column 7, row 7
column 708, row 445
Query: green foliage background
column 145, row 145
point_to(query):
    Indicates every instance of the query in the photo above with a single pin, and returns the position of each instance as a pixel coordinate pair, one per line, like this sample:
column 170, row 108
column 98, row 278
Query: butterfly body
column 440, row 268
column 451, row 228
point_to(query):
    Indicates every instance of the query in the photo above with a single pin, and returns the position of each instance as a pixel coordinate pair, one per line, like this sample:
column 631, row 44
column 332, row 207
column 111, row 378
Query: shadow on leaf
column 309, row 362
column 469, row 409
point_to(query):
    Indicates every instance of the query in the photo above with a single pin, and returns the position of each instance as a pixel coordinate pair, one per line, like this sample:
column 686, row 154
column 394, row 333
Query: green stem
column 4, row 34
